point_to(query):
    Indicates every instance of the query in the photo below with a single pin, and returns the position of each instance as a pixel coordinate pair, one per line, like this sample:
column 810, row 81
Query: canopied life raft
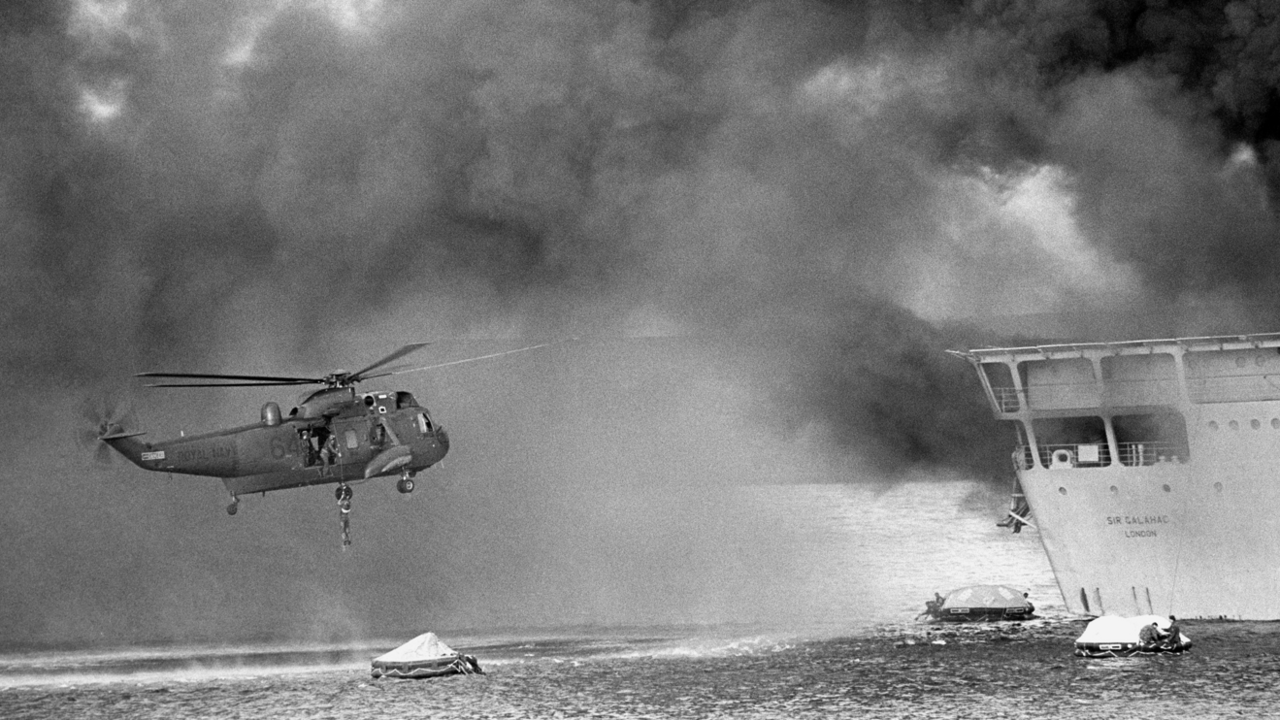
column 424, row 656
column 1115, row 636
column 980, row 602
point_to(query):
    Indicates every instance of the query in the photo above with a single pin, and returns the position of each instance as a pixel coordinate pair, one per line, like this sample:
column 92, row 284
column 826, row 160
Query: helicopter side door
column 354, row 449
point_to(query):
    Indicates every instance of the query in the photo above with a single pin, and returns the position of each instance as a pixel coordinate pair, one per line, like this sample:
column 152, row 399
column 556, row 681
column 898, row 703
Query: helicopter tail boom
column 125, row 444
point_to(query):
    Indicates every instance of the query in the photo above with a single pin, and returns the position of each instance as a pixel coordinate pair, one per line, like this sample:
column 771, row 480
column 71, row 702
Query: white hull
column 1183, row 524
column 1191, row 551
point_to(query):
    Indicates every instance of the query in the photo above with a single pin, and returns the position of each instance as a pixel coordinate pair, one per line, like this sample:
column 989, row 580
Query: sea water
column 852, row 648
column 873, row 555
column 866, row 556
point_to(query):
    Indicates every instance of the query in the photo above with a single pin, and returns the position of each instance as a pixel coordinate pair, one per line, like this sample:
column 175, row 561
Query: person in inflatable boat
column 1151, row 636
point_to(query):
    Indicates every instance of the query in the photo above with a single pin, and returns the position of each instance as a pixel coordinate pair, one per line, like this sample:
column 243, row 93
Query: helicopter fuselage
column 334, row 436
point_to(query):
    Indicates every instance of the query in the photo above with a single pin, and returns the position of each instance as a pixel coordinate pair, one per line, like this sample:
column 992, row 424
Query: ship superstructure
column 1152, row 469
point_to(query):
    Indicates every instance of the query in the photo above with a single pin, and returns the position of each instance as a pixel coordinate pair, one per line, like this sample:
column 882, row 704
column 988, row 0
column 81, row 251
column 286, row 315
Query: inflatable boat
column 980, row 602
column 1115, row 636
column 422, row 657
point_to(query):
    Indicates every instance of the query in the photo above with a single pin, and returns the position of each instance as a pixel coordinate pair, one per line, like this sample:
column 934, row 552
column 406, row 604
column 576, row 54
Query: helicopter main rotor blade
column 219, row 376
column 360, row 374
column 469, row 360
column 234, row 384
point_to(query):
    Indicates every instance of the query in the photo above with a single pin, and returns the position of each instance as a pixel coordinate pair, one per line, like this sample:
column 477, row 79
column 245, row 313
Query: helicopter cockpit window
column 405, row 399
column 424, row 423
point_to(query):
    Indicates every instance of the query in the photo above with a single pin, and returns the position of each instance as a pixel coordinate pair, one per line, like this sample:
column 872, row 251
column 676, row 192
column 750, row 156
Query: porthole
column 1255, row 423
column 1213, row 425
column 1115, row 490
column 1234, row 425
column 1062, row 491
column 1275, row 423
column 1217, row 486
column 1166, row 488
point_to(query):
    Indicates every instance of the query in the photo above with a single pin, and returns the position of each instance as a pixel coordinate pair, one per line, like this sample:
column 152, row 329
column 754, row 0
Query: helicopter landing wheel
column 234, row 506
column 343, row 492
column 405, row 486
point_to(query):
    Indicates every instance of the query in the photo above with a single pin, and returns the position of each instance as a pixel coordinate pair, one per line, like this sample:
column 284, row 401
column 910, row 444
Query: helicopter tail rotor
column 101, row 417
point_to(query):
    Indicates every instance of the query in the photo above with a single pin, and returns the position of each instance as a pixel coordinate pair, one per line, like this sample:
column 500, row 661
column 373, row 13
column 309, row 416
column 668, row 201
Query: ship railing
column 1233, row 388
column 1070, row 455
column 1007, row 399
column 1242, row 388
column 1136, row 454
column 1150, row 391
column 1058, row 396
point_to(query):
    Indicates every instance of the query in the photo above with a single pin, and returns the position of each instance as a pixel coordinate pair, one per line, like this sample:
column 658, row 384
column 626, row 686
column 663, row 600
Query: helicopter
column 334, row 435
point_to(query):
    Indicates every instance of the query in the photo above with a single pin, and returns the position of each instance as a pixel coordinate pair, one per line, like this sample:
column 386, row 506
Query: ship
column 1150, row 470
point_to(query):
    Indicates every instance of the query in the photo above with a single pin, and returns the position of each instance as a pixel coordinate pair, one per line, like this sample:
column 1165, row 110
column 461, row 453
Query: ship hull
column 1120, row 543
column 1151, row 470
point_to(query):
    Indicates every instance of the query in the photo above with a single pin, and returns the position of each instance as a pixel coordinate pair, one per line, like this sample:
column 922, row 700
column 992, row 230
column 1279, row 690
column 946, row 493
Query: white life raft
column 1115, row 636
column 424, row 656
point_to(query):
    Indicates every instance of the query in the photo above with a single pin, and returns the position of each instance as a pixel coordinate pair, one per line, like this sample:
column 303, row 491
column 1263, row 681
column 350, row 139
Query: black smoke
column 174, row 169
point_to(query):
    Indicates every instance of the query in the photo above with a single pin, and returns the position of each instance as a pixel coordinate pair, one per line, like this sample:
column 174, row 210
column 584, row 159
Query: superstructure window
column 1059, row 384
column 1070, row 442
column 1229, row 376
column 1140, row 379
column 1150, row 438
